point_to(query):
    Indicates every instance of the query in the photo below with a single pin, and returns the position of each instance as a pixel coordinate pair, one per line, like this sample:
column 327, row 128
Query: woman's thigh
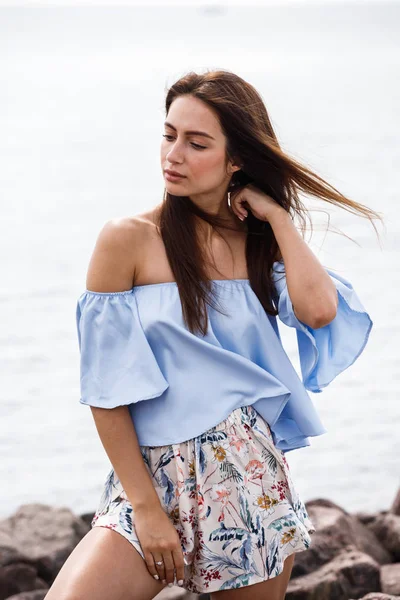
column 105, row 566
column 271, row 589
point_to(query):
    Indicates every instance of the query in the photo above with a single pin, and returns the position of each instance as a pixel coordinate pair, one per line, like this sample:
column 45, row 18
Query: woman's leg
column 106, row 566
column 272, row 589
column 287, row 571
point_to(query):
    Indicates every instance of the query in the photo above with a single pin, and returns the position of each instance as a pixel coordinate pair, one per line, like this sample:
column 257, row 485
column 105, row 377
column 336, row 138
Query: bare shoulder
column 117, row 253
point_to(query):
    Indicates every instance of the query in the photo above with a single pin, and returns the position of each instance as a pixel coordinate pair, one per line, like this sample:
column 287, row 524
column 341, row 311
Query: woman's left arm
column 311, row 290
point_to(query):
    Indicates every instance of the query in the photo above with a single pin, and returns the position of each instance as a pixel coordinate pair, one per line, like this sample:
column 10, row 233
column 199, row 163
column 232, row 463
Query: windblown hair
column 251, row 139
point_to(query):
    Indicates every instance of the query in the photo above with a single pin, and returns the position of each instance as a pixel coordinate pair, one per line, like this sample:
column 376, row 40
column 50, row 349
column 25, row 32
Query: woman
column 196, row 403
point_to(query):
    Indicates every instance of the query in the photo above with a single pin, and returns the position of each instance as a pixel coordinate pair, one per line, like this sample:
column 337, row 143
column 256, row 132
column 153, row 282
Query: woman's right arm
column 118, row 436
column 157, row 535
column 112, row 268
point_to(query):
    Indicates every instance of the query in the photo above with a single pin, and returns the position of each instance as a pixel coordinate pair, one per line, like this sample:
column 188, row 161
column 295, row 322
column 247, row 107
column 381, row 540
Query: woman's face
column 200, row 158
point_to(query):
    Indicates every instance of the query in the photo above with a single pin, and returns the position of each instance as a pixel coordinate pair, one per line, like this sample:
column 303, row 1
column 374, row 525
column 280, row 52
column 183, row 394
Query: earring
column 229, row 199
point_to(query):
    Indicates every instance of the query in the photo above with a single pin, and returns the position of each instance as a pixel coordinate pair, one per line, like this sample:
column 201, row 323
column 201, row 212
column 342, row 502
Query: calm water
column 81, row 112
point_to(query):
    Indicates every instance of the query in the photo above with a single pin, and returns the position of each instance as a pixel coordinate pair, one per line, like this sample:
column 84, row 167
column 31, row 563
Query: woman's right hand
column 159, row 541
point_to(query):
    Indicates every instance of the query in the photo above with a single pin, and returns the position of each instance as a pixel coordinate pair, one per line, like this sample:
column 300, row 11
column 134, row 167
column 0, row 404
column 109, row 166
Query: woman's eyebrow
column 191, row 132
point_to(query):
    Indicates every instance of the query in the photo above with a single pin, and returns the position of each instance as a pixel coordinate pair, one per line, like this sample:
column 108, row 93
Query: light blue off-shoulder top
column 136, row 350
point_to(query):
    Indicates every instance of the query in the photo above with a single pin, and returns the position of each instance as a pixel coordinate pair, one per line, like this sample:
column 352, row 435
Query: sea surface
column 81, row 114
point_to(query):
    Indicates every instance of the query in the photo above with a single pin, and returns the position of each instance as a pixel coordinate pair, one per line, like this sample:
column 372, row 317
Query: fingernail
column 156, row 577
column 164, row 581
column 170, row 584
column 241, row 218
column 180, row 582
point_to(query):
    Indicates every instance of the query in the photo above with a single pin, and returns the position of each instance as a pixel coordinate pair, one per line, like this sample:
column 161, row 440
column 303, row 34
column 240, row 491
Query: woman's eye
column 197, row 146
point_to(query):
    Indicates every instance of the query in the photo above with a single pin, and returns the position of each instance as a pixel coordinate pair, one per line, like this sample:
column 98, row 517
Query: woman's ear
column 235, row 164
column 235, row 168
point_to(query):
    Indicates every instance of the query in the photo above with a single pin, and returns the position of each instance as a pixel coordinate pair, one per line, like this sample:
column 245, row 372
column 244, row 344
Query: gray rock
column 87, row 518
column 349, row 575
column 9, row 556
column 18, row 573
column 367, row 518
column 336, row 529
column 395, row 508
column 366, row 541
column 19, row 577
column 390, row 579
column 38, row 530
column 387, row 530
column 40, row 537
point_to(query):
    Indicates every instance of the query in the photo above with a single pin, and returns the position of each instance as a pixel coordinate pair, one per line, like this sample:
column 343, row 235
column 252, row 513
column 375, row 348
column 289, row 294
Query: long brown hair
column 250, row 136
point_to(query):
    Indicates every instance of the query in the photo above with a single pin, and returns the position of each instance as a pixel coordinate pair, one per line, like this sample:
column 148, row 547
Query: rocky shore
column 351, row 556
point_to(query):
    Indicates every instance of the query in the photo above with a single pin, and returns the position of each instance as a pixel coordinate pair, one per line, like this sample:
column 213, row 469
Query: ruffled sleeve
column 327, row 351
column 117, row 365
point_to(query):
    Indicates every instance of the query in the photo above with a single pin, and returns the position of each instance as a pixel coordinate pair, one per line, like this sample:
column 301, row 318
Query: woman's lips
column 171, row 177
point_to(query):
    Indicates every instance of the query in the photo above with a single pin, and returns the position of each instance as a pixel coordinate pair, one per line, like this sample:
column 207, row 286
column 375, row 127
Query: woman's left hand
column 251, row 197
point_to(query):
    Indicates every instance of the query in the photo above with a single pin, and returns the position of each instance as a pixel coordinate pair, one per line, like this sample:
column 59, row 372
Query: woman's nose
column 175, row 153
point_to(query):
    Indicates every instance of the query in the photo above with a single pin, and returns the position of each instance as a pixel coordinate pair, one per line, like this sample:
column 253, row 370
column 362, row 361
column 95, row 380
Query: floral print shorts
column 230, row 496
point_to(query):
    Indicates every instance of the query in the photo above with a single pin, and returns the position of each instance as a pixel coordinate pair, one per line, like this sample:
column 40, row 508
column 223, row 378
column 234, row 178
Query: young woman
column 193, row 396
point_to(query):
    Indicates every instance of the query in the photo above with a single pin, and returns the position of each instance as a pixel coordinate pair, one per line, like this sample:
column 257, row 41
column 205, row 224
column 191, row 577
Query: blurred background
column 81, row 120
